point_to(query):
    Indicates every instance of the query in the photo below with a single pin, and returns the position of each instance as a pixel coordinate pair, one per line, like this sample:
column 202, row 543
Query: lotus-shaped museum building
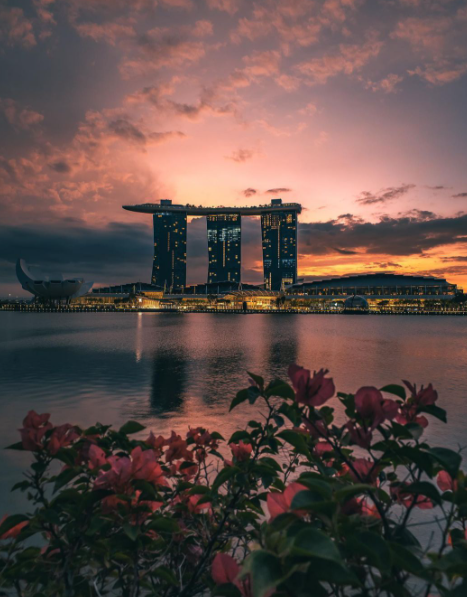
column 50, row 287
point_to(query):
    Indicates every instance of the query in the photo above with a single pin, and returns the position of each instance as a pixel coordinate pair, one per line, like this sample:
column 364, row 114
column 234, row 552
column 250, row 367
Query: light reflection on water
column 174, row 370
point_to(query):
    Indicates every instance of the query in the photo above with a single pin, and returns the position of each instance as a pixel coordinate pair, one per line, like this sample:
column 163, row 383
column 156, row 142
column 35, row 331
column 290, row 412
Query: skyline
column 353, row 109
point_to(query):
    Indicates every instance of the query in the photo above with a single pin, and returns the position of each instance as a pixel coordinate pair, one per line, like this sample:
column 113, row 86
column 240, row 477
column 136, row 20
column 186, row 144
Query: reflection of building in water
column 283, row 344
column 169, row 381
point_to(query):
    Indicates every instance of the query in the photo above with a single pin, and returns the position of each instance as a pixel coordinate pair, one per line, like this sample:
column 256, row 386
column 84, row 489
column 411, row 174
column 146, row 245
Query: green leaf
column 296, row 440
column 217, row 435
column 394, row 389
column 371, row 546
column 225, row 474
column 404, row 559
column 257, row 379
column 454, row 562
column 239, row 435
column 435, row 411
column 131, row 531
column 65, row 477
column 424, row 488
column 312, row 500
column 131, row 427
column 265, row 570
column 17, row 446
column 11, row 522
column 164, row 525
column 311, row 542
column 165, row 574
column 358, row 488
column 317, row 485
column 281, row 389
column 325, row 558
column 448, row 459
column 241, row 396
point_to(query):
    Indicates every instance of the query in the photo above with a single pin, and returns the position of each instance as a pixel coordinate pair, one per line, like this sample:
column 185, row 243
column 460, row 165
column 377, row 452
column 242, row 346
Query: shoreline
column 236, row 312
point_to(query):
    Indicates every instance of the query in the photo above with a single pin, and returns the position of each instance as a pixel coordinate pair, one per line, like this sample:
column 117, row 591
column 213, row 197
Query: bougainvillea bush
column 297, row 503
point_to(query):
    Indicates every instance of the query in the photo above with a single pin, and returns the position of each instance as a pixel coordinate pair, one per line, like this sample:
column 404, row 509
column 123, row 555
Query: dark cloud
column 114, row 254
column 123, row 128
column 279, row 190
column 345, row 251
column 385, row 195
column 455, row 258
column 439, row 187
column 421, row 214
column 460, row 195
column 407, row 235
column 61, row 166
column 249, row 192
column 241, row 155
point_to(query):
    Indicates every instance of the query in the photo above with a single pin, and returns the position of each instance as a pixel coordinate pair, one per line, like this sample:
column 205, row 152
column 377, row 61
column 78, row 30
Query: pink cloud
column 20, row 118
column 230, row 6
column 387, row 85
column 241, row 155
column 349, row 59
column 15, row 28
column 441, row 73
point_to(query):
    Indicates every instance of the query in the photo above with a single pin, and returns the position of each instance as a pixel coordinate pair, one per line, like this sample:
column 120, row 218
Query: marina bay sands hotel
column 279, row 240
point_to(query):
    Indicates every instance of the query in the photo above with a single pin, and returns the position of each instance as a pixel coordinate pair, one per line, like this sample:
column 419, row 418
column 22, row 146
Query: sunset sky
column 356, row 109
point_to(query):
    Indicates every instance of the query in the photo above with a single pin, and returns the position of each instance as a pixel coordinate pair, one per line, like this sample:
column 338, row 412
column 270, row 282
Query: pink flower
column 187, row 472
column 312, row 391
column 370, row 404
column 62, row 436
column 317, row 429
column 177, row 449
column 321, row 448
column 363, row 470
column 225, row 570
column 144, row 466
column 96, row 456
column 360, row 506
column 360, row 436
column 407, row 499
column 156, row 443
column 279, row 503
column 118, row 477
column 34, row 421
column 195, row 507
column 34, row 428
column 446, row 482
column 424, row 397
column 14, row 531
column 409, row 414
column 241, row 451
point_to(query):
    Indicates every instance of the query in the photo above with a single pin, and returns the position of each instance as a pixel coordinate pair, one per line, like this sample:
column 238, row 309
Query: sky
column 355, row 109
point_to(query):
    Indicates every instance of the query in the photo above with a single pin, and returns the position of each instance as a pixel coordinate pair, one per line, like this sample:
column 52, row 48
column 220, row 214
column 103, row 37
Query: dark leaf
column 394, row 389
column 131, row 427
column 281, row 389
column 265, row 570
column 448, row 459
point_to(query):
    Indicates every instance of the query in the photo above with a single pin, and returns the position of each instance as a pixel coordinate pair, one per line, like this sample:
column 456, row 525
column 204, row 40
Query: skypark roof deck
column 201, row 210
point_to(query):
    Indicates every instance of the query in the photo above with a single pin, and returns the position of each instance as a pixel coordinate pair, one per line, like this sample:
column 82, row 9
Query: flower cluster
column 300, row 502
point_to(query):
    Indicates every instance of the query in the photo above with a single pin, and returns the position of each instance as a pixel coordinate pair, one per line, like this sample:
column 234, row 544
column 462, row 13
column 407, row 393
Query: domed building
column 356, row 305
column 51, row 288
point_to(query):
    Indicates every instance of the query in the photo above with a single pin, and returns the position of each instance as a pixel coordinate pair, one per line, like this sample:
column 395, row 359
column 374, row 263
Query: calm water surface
column 173, row 370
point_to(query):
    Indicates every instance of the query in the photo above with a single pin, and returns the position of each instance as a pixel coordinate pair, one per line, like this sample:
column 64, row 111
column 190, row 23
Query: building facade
column 224, row 247
column 279, row 241
column 279, row 234
column 169, row 263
